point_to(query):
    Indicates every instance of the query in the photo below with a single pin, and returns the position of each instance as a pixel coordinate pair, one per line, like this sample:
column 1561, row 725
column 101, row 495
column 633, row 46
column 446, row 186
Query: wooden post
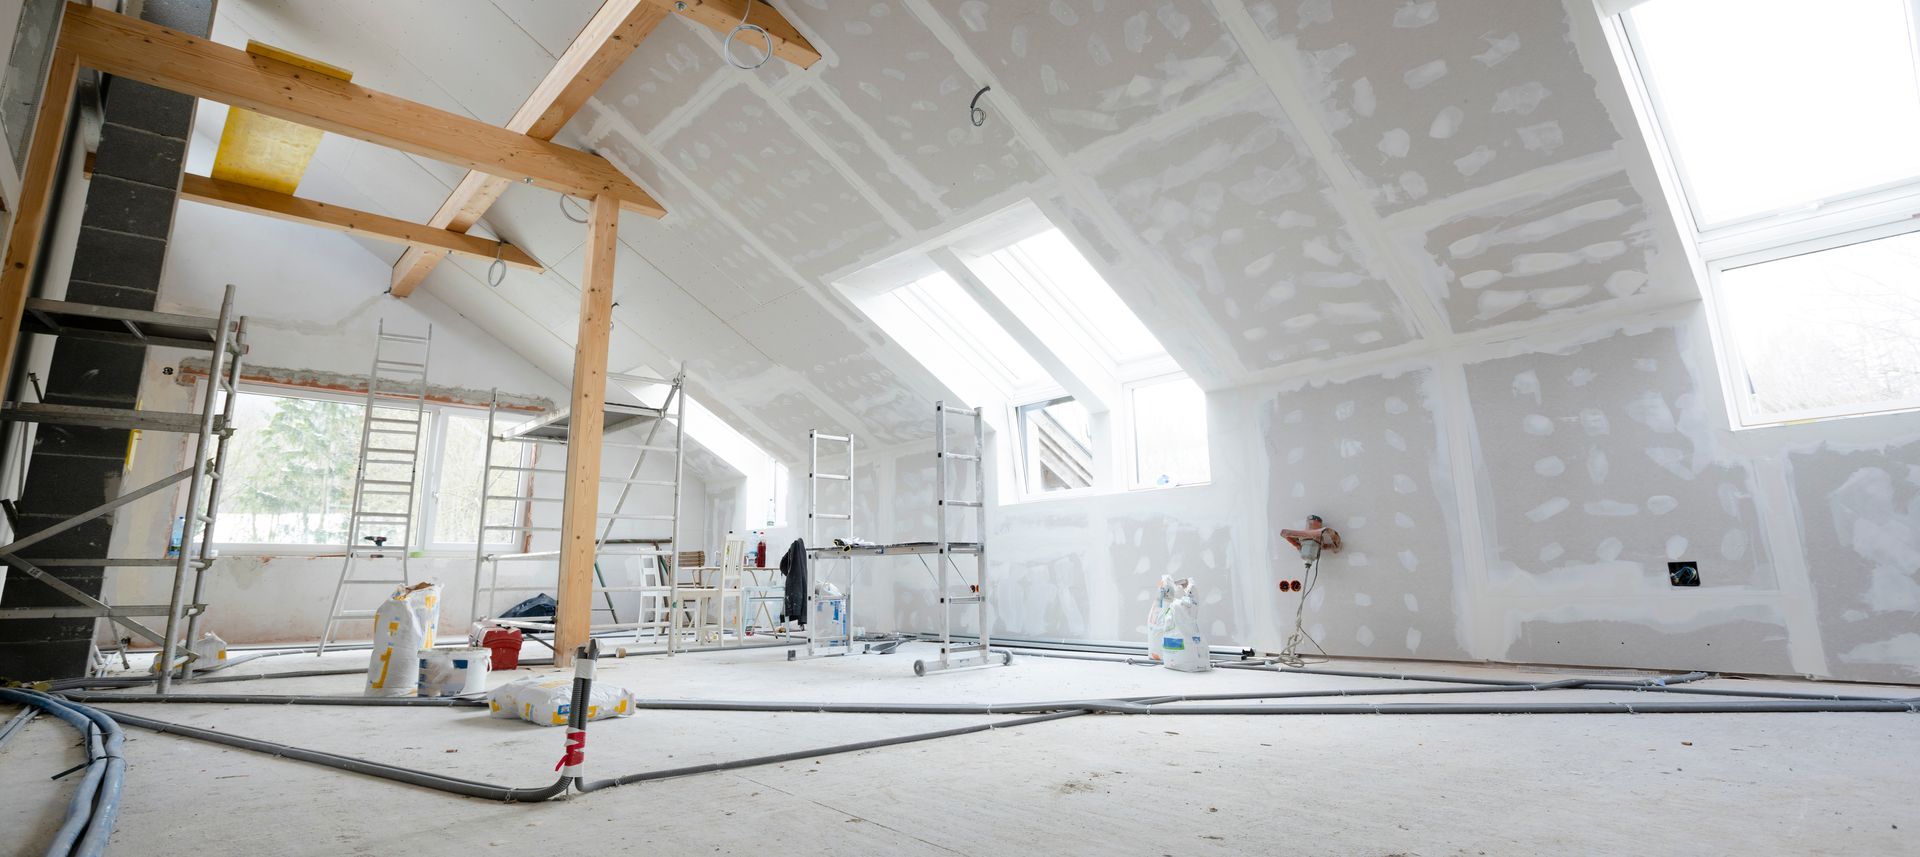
column 36, row 196
column 587, row 416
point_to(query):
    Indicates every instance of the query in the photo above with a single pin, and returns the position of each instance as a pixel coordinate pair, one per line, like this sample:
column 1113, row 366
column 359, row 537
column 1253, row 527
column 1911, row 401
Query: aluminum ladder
column 835, row 635
column 382, row 520
column 946, row 548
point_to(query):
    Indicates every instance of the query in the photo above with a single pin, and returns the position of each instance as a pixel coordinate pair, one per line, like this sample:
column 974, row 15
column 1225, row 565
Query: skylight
column 943, row 327
column 1774, row 104
column 1048, row 274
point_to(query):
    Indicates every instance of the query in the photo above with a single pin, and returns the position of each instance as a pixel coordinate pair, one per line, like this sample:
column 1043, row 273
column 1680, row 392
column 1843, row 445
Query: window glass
column 289, row 471
column 1834, row 329
column 1055, row 275
column 1056, row 446
column 1774, row 104
column 961, row 326
column 1170, row 433
column 463, row 449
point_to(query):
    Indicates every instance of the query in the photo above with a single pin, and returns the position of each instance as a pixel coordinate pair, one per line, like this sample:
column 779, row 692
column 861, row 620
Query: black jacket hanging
column 794, row 566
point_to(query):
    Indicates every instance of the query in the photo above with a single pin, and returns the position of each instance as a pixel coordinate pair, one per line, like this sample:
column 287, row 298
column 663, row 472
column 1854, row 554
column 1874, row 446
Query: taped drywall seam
column 1184, row 117
column 705, row 95
column 1547, row 182
column 1275, row 62
column 1478, row 629
column 1780, row 531
column 1085, row 195
column 617, row 124
column 826, row 152
column 901, row 169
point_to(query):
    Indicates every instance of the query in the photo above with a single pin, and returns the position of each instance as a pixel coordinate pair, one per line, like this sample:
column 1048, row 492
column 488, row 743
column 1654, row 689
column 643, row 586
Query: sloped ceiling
column 1277, row 188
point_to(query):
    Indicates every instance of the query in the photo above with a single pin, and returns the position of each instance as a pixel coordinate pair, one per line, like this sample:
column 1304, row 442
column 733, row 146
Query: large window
column 1015, row 320
column 1169, row 433
column 290, row 472
column 1793, row 130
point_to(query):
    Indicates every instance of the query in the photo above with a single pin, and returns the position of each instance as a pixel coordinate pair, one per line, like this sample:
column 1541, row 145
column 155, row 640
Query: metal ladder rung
column 403, row 337
column 394, row 420
column 518, row 469
column 961, row 456
column 841, row 477
column 964, row 599
column 965, row 412
column 366, row 514
column 830, row 516
column 832, row 437
column 960, row 650
column 415, row 432
column 394, row 450
column 408, row 364
column 366, row 493
column 385, row 482
column 971, row 504
column 505, row 499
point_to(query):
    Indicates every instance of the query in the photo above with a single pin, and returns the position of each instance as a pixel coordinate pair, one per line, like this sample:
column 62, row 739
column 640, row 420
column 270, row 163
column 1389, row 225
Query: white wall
column 1514, row 502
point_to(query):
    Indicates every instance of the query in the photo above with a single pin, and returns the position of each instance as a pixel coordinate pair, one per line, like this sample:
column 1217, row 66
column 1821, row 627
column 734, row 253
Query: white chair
column 731, row 585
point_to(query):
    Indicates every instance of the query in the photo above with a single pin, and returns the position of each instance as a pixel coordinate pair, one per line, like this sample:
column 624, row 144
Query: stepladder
column 382, row 521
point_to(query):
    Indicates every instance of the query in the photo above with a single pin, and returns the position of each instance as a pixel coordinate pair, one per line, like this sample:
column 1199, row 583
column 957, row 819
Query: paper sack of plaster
column 549, row 701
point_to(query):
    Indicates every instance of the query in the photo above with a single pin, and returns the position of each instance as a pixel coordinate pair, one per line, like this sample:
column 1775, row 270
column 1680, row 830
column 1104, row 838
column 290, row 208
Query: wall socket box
column 1683, row 573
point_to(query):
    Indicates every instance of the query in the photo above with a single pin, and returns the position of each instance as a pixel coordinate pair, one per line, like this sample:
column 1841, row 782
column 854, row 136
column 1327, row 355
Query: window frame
column 1131, row 434
column 425, row 500
column 1853, row 217
column 1029, row 464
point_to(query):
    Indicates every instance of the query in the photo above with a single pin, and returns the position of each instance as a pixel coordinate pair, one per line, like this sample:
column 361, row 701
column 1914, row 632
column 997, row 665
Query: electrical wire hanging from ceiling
column 726, row 47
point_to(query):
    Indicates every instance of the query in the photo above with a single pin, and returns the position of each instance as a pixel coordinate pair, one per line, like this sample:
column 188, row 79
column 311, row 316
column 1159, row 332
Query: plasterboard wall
column 1514, row 503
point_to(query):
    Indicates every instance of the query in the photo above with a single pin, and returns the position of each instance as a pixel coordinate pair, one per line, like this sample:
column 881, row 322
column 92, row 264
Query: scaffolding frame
column 225, row 337
column 820, row 642
column 944, row 548
column 552, row 429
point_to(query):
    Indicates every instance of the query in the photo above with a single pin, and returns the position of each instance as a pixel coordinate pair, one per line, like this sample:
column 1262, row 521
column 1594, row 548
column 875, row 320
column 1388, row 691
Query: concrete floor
column 1105, row 785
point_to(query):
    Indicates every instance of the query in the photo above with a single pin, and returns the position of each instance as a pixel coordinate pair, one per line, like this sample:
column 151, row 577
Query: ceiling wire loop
column 974, row 112
column 497, row 272
column 726, row 47
column 564, row 199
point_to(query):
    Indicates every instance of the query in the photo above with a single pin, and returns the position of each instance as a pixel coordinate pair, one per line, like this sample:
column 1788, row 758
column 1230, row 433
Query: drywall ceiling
column 1277, row 188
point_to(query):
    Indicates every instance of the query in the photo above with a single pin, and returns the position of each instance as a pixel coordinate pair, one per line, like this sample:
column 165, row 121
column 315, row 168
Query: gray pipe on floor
column 96, row 802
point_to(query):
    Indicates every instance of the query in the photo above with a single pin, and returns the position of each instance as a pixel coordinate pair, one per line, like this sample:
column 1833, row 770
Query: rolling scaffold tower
column 948, row 551
column 211, row 427
column 512, row 483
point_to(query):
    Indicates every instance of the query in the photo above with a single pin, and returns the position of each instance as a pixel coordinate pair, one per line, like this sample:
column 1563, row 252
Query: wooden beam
column 131, row 48
column 239, row 197
column 602, row 45
column 36, row 197
column 723, row 15
column 587, row 420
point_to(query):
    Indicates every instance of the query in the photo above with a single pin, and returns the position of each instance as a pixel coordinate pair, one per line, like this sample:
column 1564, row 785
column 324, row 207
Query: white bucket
column 454, row 672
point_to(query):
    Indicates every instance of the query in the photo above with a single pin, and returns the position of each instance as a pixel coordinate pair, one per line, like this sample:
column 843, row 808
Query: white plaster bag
column 549, row 701
column 1173, row 628
column 402, row 626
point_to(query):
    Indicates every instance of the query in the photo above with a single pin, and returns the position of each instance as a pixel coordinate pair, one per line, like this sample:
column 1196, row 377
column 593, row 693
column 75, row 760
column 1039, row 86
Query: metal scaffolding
column 211, row 427
column 948, row 551
column 511, row 482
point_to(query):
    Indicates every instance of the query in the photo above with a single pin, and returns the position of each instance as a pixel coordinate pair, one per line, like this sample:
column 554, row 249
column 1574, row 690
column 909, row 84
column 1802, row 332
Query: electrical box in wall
column 1683, row 573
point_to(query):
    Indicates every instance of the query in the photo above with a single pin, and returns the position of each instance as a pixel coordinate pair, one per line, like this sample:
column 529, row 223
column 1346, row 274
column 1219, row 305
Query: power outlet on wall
column 1683, row 573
